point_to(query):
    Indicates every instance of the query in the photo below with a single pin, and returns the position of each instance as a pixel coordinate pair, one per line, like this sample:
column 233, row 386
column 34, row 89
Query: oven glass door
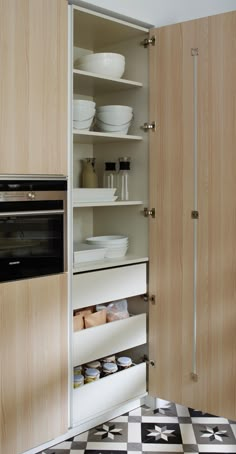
column 30, row 244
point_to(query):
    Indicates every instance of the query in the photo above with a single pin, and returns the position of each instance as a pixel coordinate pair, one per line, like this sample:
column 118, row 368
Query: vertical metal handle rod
column 195, row 202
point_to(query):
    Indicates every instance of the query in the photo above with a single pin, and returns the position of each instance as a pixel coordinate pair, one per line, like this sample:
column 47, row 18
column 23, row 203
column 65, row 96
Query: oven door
column 31, row 243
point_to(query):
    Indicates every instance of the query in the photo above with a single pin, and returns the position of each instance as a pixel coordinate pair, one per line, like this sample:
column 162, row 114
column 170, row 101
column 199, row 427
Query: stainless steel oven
column 33, row 233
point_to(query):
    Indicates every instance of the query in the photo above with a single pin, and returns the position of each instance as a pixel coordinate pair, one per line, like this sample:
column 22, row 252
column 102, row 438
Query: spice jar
column 89, row 177
column 78, row 370
column 109, row 368
column 78, row 381
column 94, row 365
column 109, row 359
column 124, row 362
column 91, row 375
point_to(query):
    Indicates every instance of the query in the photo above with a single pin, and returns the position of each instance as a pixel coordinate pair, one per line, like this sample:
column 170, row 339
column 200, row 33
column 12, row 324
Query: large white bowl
column 114, row 108
column 83, row 110
column 105, row 63
column 103, row 127
column 115, row 118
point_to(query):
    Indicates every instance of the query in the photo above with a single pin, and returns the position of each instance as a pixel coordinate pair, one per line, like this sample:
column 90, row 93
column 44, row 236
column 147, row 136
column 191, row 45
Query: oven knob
column 31, row 195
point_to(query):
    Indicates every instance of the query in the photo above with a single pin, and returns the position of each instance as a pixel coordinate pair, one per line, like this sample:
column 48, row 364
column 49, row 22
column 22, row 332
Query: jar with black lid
column 110, row 177
column 123, row 178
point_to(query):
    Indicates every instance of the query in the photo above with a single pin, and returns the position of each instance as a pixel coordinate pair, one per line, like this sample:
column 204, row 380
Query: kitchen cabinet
column 190, row 170
column 192, row 187
column 33, row 92
column 34, row 362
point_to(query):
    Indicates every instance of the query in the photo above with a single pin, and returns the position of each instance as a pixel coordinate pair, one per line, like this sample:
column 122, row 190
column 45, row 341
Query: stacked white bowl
column 114, row 118
column 83, row 114
column 116, row 245
column 105, row 63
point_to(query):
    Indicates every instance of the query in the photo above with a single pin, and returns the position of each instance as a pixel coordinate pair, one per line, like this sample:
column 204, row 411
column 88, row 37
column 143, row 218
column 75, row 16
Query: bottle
column 89, row 177
column 109, row 177
column 123, row 178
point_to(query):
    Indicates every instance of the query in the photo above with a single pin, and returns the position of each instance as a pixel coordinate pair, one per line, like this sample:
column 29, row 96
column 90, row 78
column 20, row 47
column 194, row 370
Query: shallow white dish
column 87, row 253
column 94, row 195
column 105, row 63
column 112, row 239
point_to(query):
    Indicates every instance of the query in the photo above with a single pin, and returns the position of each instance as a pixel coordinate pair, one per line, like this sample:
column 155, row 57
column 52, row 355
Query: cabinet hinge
column 194, row 51
column 149, row 212
column 147, row 126
column 195, row 214
column 150, row 298
column 194, row 377
column 148, row 361
column 149, row 41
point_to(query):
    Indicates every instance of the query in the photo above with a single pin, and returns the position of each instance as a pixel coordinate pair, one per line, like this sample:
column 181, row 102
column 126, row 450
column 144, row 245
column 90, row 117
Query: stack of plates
column 84, row 195
column 86, row 253
column 115, row 245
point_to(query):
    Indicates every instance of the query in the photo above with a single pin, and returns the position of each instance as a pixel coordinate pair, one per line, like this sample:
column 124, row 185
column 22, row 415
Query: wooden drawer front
column 108, row 393
column 108, row 285
column 104, row 340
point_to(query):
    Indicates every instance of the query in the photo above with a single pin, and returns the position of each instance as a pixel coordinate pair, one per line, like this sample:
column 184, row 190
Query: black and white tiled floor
column 169, row 429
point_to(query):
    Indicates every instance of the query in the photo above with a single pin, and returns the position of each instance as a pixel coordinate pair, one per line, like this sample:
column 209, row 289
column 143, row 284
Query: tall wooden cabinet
column 33, row 89
column 192, row 187
column 33, row 360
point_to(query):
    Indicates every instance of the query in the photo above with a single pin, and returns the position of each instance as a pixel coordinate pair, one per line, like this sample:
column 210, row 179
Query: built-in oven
column 33, row 233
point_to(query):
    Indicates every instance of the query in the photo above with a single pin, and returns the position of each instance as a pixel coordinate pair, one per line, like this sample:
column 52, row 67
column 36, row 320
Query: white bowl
column 116, row 118
column 106, row 63
column 83, row 111
column 103, row 127
column 114, row 108
column 85, row 124
column 111, row 239
column 84, row 103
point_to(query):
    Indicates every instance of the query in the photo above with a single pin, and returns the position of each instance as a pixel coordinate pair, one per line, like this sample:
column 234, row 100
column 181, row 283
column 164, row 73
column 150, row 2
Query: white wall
column 163, row 12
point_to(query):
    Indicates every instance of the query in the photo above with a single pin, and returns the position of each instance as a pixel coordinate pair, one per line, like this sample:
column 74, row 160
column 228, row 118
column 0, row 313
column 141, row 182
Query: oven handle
column 30, row 213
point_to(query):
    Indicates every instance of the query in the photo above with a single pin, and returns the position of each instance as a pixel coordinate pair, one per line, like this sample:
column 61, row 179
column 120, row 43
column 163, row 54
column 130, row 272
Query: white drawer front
column 104, row 340
column 108, row 285
column 109, row 392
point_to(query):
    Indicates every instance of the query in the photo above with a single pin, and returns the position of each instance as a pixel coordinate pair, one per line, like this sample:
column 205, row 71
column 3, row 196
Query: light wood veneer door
column 33, row 356
column 33, row 88
column 171, row 233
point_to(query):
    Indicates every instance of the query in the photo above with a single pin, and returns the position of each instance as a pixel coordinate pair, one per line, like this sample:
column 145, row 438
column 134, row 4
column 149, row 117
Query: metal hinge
column 147, row 126
column 194, row 377
column 148, row 361
column 151, row 298
column 147, row 212
column 195, row 214
column 149, row 41
column 194, row 51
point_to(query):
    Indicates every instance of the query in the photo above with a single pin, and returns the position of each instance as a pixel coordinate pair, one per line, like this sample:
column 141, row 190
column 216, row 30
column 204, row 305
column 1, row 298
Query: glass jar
column 91, row 375
column 109, row 359
column 78, row 370
column 89, row 177
column 123, row 178
column 94, row 365
column 124, row 362
column 78, row 381
column 110, row 177
column 109, row 368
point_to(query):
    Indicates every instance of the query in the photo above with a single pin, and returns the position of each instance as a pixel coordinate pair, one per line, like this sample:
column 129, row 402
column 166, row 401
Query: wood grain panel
column 33, row 88
column 33, row 355
column 171, row 193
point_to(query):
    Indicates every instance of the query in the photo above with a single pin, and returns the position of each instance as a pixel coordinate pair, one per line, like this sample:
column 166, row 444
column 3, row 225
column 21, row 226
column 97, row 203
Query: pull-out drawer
column 104, row 340
column 108, row 285
column 109, row 392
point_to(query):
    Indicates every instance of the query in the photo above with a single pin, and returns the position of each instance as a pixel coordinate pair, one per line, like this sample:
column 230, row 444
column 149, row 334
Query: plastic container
column 109, row 368
column 91, row 375
column 110, row 176
column 78, row 381
column 123, row 178
column 124, row 362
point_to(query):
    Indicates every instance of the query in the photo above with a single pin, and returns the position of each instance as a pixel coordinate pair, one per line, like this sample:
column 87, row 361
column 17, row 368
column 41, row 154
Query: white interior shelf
column 87, row 83
column 106, row 204
column 92, row 137
column 109, row 263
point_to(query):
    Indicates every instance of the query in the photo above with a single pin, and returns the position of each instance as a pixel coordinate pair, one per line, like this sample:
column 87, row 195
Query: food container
column 78, row 381
column 124, row 362
column 94, row 365
column 91, row 375
column 109, row 359
column 109, row 368
column 78, row 370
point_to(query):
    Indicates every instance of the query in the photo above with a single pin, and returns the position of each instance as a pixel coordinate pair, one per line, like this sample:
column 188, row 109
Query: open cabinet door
column 192, row 180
